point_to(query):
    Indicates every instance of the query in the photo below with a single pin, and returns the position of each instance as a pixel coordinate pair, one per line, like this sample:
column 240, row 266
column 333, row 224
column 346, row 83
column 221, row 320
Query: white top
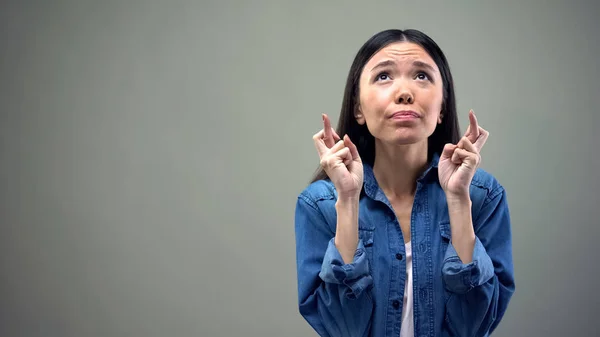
column 407, row 329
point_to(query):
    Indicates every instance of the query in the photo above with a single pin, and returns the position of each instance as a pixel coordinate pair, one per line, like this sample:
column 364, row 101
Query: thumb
column 352, row 147
column 448, row 150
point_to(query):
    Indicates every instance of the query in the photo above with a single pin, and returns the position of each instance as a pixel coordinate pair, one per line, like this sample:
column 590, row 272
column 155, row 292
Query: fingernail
column 323, row 116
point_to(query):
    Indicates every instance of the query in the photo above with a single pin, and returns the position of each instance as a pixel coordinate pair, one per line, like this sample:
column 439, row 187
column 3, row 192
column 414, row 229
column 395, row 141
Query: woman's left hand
column 458, row 162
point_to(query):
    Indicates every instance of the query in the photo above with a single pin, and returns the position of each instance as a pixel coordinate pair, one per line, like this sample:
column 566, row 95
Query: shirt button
column 399, row 256
column 396, row 304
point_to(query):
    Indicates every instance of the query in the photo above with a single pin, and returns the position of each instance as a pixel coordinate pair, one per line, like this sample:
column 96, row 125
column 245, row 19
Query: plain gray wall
column 152, row 152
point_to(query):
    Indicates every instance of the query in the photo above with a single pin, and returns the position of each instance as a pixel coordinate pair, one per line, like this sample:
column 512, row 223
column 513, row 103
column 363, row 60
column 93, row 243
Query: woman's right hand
column 340, row 160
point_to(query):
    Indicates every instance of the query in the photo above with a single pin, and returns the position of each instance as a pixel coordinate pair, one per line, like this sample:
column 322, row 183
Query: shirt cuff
column 459, row 277
column 355, row 275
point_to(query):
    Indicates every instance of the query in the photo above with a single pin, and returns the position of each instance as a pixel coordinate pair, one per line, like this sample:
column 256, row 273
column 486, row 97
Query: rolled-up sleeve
column 460, row 277
column 333, row 297
column 354, row 275
column 481, row 290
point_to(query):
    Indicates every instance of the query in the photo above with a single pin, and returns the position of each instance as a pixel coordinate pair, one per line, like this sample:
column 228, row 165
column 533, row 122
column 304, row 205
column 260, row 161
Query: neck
column 397, row 167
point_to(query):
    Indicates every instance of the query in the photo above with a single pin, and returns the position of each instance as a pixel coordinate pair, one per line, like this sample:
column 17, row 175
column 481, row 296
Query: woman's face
column 400, row 94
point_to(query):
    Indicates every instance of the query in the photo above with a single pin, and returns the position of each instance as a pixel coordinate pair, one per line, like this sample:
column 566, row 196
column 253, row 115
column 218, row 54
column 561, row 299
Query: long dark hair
column 446, row 132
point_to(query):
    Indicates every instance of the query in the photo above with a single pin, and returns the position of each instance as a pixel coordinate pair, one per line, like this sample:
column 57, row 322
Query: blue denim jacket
column 364, row 297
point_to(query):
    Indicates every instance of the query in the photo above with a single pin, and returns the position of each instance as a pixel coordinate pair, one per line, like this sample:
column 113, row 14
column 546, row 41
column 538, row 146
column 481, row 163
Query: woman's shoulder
column 319, row 197
column 322, row 189
column 484, row 180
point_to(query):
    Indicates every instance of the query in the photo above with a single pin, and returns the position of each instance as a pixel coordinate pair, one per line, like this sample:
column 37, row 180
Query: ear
column 440, row 118
column 360, row 118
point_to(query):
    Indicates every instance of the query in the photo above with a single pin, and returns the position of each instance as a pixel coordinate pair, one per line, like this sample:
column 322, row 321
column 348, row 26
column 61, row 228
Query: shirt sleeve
column 333, row 297
column 459, row 277
column 481, row 290
column 355, row 275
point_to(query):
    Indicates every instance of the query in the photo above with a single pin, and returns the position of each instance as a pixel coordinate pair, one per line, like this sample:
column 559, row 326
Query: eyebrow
column 420, row 64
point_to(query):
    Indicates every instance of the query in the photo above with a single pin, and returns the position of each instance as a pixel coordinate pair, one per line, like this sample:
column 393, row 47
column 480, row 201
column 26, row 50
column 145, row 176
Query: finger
column 469, row 159
column 328, row 135
column 474, row 124
column 345, row 155
column 466, row 144
column 331, row 151
column 455, row 157
column 318, row 139
column 473, row 129
column 448, row 150
column 342, row 155
column 335, row 135
column 483, row 136
column 319, row 144
column 352, row 147
column 338, row 146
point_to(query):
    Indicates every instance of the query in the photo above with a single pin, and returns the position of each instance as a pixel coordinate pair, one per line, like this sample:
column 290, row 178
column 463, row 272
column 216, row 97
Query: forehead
column 400, row 52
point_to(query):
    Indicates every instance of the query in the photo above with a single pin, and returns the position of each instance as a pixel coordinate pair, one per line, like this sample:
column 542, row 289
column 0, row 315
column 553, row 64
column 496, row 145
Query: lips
column 405, row 114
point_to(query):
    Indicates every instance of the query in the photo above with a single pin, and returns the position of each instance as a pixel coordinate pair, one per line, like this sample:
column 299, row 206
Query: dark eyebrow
column 420, row 64
column 383, row 64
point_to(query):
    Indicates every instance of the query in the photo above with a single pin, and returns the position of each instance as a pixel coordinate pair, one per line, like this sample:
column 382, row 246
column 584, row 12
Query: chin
column 406, row 138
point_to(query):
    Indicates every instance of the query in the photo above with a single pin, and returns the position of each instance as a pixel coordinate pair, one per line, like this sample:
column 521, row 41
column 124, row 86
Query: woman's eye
column 422, row 76
column 382, row 77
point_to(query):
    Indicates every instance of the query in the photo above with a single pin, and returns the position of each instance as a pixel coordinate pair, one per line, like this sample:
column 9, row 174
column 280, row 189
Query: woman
column 400, row 233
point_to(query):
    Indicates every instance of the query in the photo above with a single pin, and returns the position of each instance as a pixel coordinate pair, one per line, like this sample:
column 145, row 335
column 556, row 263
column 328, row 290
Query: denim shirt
column 364, row 297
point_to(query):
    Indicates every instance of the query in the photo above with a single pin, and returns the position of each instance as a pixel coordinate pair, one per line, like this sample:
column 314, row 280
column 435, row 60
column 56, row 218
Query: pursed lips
column 404, row 114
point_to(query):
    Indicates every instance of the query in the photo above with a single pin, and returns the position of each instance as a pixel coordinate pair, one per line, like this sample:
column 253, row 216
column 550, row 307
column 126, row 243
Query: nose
column 404, row 96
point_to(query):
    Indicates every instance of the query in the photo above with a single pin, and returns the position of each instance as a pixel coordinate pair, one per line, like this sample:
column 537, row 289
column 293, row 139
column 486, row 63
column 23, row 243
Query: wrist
column 347, row 211
column 346, row 234
column 347, row 200
column 458, row 199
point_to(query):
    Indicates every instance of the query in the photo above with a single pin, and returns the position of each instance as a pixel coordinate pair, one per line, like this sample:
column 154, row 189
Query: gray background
column 151, row 154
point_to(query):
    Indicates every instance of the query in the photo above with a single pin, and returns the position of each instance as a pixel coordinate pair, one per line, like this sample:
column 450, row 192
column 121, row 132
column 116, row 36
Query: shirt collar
column 371, row 187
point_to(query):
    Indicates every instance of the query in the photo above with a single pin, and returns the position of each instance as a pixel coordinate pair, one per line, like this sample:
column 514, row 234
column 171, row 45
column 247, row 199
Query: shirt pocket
column 367, row 234
column 445, row 237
